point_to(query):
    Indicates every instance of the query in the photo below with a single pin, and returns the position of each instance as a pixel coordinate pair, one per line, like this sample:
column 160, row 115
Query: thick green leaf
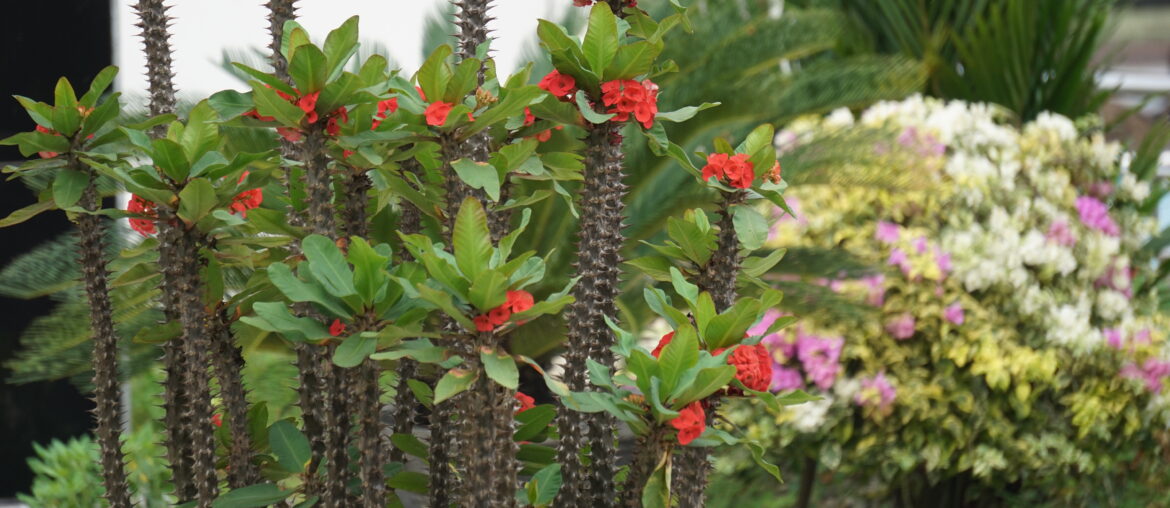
column 107, row 111
column 758, row 457
column 442, row 300
column 533, row 422
column 289, row 445
column 500, row 368
column 309, row 69
column 678, row 356
column 706, row 382
column 633, row 60
column 268, row 103
column 656, row 493
column 489, row 290
column 434, row 74
column 729, row 327
column 684, row 114
column 544, row 485
column 299, row 291
column 68, row 186
column 683, row 287
column 340, row 45
column 750, row 227
column 453, row 382
column 601, row 39
column 275, row 317
column 196, row 200
column 479, row 175
column 410, row 445
column 230, row 103
column 329, row 266
column 169, row 156
column 252, row 496
column 354, row 349
column 410, row 481
column 369, row 269
column 471, row 239
column 588, row 112
column 98, row 86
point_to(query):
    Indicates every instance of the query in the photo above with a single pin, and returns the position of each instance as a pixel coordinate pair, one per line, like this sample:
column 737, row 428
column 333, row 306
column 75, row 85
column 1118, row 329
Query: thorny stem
column 409, row 222
column 105, row 346
column 598, row 258
column 648, row 453
column 229, row 365
column 491, row 476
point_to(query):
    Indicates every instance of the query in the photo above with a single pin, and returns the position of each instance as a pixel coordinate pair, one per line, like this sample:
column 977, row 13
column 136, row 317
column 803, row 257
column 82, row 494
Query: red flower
column 690, row 422
column 46, row 130
column 774, row 173
column 246, row 200
column 437, row 113
column 421, row 94
column 624, row 97
column 308, row 104
column 331, row 127
column 529, row 118
column 337, row 328
column 385, row 108
column 519, row 301
column 735, row 169
column 256, row 114
column 526, row 402
column 483, row 323
column 582, row 3
column 217, row 420
column 499, row 315
column 560, row 85
column 662, row 344
column 544, row 135
column 290, row 133
column 137, row 205
column 753, row 366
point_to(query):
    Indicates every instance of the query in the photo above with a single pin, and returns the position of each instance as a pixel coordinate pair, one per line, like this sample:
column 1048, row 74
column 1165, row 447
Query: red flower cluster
column 332, row 127
column 308, row 104
column 337, row 328
column 525, row 401
column 217, row 420
column 662, row 344
column 561, row 85
column 753, row 366
column 46, row 130
column 246, row 200
column 385, row 108
column 690, row 422
column 735, row 169
column 137, row 205
column 437, row 113
column 517, row 301
column 624, row 97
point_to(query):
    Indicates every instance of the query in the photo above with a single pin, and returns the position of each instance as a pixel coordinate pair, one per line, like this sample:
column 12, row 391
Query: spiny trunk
column 229, row 365
column 718, row 277
column 153, row 20
column 472, row 18
column 647, row 453
column 442, row 489
column 409, row 222
column 370, row 446
column 182, row 274
column 311, row 393
column 357, row 186
column 598, row 258
column 105, row 348
column 491, row 476
column 279, row 12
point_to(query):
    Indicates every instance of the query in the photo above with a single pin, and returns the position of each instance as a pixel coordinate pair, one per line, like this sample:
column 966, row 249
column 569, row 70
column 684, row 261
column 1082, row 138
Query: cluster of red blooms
column 562, row 86
column 525, row 401
column 436, row 113
column 241, row 203
column 385, row 108
column 734, row 169
column 40, row 128
column 753, row 368
column 541, row 136
column 337, row 328
column 517, row 301
column 624, row 97
column 587, row 3
column 308, row 104
column 690, row 422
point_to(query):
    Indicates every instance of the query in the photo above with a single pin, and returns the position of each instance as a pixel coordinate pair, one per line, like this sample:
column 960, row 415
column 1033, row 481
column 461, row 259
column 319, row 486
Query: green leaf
column 340, row 45
column 684, row 114
column 544, row 485
column 289, row 445
column 299, row 291
column 100, row 116
column 68, row 186
column 196, row 200
column 489, row 290
column 309, row 69
column 98, row 86
column 410, row 445
column 756, row 266
column 588, row 112
column 275, row 317
column 410, row 481
column 328, row 266
column 500, row 368
column 463, row 81
column 758, row 457
column 230, row 103
column 27, row 213
column 479, row 175
column 252, row 496
column 656, row 493
column 354, row 350
column 633, row 60
column 512, row 104
column 422, row 392
column 601, row 38
column 369, row 269
column 267, row 79
column 533, row 422
column 169, row 156
column 270, row 104
column 729, row 327
column 434, row 74
column 683, row 287
column 159, row 333
column 681, row 354
column 66, row 117
column 453, row 382
column 696, row 244
column 339, row 91
column 750, row 227
column 599, row 374
column 706, row 382
column 563, row 49
column 471, row 239
column 442, row 300
column 202, row 132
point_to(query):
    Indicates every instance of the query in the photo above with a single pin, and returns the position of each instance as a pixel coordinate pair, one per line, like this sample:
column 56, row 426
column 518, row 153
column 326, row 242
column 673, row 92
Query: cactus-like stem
column 311, row 397
column 648, row 453
column 357, row 188
column 472, row 17
column 318, row 182
column 105, row 347
column 598, row 258
column 279, row 12
column 490, row 479
column 717, row 277
column 229, row 365
column 409, row 222
column 370, row 445
column 443, row 487
column 153, row 20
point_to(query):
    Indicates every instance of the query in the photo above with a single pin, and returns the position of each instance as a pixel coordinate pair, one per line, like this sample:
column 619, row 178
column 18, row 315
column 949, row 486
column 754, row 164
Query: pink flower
column 1060, row 234
column 1095, row 215
column 899, row 259
column 781, row 348
column 784, row 378
column 919, row 245
column 1113, row 337
column 888, row 232
column 1152, row 372
column 820, row 358
column 954, row 313
column 876, row 391
column 943, row 260
column 877, row 290
column 902, row 326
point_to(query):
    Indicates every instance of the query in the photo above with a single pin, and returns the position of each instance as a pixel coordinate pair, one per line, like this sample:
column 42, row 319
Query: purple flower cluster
column 901, row 326
column 1152, row 373
column 876, row 392
column 1116, row 340
column 1094, row 214
column 954, row 313
column 800, row 356
column 1060, row 234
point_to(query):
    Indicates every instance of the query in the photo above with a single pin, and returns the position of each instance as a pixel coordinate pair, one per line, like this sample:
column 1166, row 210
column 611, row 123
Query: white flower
column 809, row 416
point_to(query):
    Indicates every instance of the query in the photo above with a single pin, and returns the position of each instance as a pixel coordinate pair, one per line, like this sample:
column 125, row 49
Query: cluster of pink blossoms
column 798, row 357
column 1095, row 215
column 877, row 392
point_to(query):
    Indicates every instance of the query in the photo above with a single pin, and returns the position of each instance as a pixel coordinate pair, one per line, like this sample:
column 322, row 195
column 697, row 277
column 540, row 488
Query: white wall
column 202, row 29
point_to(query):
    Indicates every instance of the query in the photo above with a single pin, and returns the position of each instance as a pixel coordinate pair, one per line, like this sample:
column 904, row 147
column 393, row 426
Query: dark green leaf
column 68, row 186
column 329, row 266
column 750, row 227
column 196, row 200
column 479, row 175
column 500, row 368
column 471, row 239
column 252, row 496
column 354, row 349
column 289, row 445
column 452, row 383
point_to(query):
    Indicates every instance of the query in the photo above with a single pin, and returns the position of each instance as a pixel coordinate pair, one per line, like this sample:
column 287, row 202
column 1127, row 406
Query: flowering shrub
column 1009, row 341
